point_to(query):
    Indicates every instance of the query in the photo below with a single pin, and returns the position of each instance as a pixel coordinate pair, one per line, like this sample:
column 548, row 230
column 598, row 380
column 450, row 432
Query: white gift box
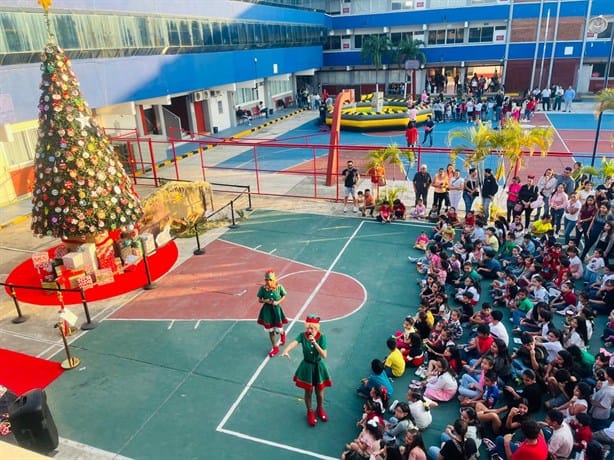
column 73, row 260
column 89, row 256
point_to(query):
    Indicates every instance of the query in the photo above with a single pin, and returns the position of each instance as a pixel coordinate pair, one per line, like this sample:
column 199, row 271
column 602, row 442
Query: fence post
column 249, row 199
column 232, row 215
column 88, row 325
column 20, row 318
column 152, row 156
column 198, row 251
column 150, row 285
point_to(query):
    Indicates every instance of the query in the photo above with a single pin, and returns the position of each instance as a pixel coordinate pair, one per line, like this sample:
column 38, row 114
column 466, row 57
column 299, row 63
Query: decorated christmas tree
column 80, row 189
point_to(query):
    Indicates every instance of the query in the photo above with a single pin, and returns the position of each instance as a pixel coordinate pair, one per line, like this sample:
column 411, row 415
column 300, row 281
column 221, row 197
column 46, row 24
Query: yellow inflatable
column 361, row 116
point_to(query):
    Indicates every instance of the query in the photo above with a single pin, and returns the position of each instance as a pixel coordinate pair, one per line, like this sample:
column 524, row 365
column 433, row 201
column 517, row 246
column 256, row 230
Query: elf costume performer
column 271, row 315
column 312, row 371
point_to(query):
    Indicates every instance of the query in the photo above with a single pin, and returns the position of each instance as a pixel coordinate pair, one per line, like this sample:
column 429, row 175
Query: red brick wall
column 518, row 74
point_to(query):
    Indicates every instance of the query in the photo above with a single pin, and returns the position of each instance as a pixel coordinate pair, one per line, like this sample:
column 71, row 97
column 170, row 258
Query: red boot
column 282, row 338
column 273, row 351
column 323, row 416
column 311, row 418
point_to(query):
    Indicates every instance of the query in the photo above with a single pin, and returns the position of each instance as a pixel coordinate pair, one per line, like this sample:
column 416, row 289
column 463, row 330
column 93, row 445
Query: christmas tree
column 80, row 188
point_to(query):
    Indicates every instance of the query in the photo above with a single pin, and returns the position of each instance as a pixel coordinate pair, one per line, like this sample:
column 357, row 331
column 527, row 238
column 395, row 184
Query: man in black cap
column 489, row 190
column 566, row 180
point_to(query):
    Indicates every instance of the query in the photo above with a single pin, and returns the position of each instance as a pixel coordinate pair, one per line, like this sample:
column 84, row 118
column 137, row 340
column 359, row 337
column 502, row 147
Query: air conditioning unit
column 199, row 96
column 215, row 93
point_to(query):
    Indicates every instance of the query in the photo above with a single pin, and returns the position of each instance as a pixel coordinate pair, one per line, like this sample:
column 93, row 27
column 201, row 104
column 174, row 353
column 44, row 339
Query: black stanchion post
column 232, row 215
column 249, row 199
column 88, row 325
column 149, row 284
column 20, row 318
column 198, row 251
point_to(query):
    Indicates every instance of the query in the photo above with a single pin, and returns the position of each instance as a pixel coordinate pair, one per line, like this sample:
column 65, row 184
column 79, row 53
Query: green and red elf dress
column 272, row 317
column 312, row 371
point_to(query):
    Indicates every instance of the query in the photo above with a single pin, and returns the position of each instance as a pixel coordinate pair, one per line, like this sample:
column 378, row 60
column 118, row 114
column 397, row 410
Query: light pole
column 598, row 25
column 256, row 76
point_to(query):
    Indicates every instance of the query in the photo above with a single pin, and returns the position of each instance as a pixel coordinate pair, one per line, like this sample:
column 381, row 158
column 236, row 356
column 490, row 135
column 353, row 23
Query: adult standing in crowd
column 422, row 181
column 271, row 315
column 587, row 212
column 429, row 125
column 440, row 189
column 546, row 99
column 526, row 196
column 567, row 180
column 512, row 197
column 558, row 201
column 471, row 189
column 569, row 96
column 571, row 214
column 350, row 179
column 457, row 185
column 312, row 373
column 546, row 185
column 599, row 220
column 489, row 190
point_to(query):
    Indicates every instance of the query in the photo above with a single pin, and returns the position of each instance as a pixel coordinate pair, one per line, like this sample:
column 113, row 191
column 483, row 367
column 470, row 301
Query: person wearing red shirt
column 411, row 134
column 534, row 446
column 385, row 213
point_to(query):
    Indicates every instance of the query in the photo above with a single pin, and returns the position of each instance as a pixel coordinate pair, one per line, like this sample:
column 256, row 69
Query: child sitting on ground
column 419, row 211
column 422, row 241
column 398, row 210
column 385, row 213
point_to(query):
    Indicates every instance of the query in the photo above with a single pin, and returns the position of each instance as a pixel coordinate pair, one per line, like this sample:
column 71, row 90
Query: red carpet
column 25, row 274
column 21, row 373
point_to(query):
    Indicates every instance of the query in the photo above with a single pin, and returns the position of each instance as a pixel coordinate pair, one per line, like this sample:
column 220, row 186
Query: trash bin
column 271, row 111
column 32, row 423
column 215, row 130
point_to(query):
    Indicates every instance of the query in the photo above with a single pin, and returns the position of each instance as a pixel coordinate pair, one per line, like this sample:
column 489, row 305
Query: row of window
column 449, row 36
column 23, row 34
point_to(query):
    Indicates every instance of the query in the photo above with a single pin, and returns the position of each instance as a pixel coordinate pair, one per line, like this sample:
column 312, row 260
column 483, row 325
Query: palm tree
column 481, row 140
column 392, row 155
column 477, row 141
column 606, row 100
column 410, row 49
column 603, row 172
column 374, row 49
column 513, row 139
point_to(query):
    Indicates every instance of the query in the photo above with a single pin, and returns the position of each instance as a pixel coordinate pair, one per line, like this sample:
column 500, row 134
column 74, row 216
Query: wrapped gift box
column 60, row 252
column 40, row 259
column 149, row 243
column 85, row 282
column 73, row 260
column 131, row 255
column 105, row 253
column 104, row 276
column 49, row 285
column 90, row 261
column 73, row 278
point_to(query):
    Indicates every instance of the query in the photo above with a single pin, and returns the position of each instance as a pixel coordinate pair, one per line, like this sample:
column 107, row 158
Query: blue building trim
column 145, row 77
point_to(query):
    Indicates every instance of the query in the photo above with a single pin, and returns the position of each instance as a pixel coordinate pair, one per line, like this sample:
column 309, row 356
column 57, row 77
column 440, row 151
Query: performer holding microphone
column 312, row 372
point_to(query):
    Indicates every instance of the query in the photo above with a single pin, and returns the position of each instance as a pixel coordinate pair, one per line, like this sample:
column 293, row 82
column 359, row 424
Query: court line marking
column 556, row 131
column 249, row 384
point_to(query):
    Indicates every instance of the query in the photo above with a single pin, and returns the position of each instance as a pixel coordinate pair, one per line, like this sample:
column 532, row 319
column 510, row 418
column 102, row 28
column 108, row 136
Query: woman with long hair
column 585, row 217
column 601, row 217
column 271, row 316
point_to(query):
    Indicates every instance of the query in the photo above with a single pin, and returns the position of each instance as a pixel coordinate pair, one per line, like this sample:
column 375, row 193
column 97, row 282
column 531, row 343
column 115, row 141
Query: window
column 480, row 34
column 333, row 43
column 436, row 37
column 22, row 149
column 455, row 36
column 358, row 41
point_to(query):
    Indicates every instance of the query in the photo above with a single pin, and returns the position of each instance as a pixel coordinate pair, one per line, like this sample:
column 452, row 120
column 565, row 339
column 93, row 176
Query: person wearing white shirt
column 497, row 328
column 561, row 442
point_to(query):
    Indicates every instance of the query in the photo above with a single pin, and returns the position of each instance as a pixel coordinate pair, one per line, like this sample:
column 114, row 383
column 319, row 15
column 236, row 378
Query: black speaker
column 32, row 423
